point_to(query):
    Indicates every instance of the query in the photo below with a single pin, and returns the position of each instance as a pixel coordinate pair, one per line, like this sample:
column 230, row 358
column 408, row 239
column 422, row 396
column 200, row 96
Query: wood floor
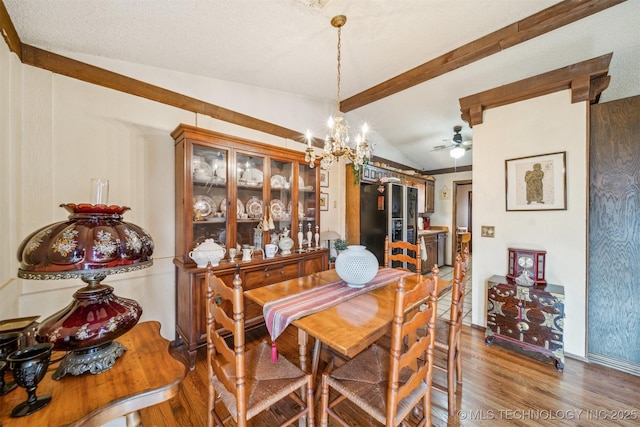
column 500, row 387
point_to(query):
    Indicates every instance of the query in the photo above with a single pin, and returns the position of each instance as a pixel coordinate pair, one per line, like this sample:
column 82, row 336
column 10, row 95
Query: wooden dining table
column 348, row 327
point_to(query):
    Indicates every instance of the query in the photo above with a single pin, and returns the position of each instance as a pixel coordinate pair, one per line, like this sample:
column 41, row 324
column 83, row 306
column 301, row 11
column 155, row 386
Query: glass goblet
column 29, row 367
column 9, row 342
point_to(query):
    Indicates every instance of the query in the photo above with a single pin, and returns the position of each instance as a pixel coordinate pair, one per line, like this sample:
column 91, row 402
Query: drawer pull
column 218, row 300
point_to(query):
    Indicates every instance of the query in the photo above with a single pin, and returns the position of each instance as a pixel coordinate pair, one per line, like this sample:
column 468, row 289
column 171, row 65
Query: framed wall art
column 536, row 183
column 324, row 178
column 324, row 201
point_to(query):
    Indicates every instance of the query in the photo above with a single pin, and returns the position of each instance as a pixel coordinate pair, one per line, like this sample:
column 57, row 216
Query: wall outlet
column 488, row 231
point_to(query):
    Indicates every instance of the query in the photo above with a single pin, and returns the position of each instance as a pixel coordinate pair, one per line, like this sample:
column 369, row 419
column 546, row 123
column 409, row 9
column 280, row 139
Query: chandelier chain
column 337, row 143
column 339, row 63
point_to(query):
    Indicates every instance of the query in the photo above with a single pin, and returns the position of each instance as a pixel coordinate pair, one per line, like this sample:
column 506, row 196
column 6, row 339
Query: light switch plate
column 488, row 231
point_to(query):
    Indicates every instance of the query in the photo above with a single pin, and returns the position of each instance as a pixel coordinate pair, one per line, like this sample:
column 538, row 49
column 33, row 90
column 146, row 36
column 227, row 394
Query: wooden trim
column 467, row 168
column 88, row 73
column 556, row 16
column 9, row 32
column 577, row 77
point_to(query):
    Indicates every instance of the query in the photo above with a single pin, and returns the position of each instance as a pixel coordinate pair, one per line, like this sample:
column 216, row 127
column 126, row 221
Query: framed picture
column 536, row 183
column 324, row 178
column 324, row 201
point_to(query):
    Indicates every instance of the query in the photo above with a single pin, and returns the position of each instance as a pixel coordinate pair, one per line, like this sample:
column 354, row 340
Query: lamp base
column 94, row 360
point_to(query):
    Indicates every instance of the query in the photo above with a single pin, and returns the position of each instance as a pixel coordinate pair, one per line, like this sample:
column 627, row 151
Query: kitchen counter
column 434, row 245
column 429, row 232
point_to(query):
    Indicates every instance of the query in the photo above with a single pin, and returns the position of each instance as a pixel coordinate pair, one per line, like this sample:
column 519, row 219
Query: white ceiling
column 290, row 46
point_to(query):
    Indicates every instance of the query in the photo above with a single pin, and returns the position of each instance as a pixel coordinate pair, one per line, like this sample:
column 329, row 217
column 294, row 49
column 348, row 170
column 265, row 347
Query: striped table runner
column 278, row 314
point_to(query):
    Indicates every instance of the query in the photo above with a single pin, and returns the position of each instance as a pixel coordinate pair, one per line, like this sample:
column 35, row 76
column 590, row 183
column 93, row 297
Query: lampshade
column 329, row 235
column 93, row 243
column 457, row 152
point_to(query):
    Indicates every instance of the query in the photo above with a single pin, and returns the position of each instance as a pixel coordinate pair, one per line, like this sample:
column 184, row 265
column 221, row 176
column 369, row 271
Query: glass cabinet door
column 280, row 200
column 307, row 209
column 209, row 191
column 250, row 206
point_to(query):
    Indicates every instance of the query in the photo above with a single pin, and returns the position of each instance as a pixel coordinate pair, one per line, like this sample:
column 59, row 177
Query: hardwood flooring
column 500, row 387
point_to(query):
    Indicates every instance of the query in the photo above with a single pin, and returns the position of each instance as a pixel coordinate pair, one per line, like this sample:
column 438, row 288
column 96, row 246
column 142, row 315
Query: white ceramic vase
column 356, row 265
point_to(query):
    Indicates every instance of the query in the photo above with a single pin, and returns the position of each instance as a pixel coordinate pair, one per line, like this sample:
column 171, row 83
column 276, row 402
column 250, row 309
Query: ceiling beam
column 88, row 73
column 9, row 32
column 547, row 20
column 586, row 80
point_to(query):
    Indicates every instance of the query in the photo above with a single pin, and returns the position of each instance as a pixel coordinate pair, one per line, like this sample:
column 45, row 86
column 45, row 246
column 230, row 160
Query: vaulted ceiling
column 405, row 64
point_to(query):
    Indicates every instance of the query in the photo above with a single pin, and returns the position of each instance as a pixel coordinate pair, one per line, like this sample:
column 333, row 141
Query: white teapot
column 207, row 251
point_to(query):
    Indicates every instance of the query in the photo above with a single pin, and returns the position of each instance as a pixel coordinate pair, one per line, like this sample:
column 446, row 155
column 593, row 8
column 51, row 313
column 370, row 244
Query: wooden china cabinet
column 225, row 186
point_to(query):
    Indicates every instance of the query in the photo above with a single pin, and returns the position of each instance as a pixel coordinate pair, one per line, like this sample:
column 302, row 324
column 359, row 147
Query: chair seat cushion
column 364, row 380
column 266, row 382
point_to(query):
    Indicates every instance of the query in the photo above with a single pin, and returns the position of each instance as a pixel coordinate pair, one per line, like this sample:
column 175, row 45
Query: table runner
column 278, row 314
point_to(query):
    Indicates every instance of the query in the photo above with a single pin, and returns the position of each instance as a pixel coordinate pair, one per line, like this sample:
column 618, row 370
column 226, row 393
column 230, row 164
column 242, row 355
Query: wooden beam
column 9, row 32
column 88, row 73
column 467, row 168
column 547, row 20
column 584, row 79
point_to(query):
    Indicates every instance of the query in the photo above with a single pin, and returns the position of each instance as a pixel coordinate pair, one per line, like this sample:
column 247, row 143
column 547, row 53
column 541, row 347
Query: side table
column 145, row 375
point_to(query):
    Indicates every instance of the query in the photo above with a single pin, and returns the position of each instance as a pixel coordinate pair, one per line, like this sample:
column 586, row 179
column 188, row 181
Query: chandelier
column 337, row 142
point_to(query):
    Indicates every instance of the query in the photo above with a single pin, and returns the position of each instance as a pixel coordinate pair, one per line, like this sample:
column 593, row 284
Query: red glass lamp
column 93, row 243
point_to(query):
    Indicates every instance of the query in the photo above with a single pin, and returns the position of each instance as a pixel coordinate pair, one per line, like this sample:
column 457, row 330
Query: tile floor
column 444, row 303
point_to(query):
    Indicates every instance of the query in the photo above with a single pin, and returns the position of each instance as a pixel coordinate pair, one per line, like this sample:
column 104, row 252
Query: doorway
column 461, row 212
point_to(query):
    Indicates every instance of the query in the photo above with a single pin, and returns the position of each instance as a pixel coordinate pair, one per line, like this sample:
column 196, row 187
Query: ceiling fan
column 457, row 146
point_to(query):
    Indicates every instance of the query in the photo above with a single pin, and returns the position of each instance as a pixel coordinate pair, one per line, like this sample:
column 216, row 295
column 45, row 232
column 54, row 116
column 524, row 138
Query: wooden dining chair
column 246, row 382
column 390, row 383
column 399, row 252
column 465, row 241
column 447, row 343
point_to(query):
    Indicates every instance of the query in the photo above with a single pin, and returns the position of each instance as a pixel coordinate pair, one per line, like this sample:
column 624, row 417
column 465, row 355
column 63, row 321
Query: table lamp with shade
column 328, row 236
column 92, row 243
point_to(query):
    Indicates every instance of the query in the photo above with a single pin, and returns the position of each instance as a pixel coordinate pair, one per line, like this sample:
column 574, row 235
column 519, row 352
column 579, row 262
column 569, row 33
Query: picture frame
column 324, row 201
column 324, row 178
column 536, row 183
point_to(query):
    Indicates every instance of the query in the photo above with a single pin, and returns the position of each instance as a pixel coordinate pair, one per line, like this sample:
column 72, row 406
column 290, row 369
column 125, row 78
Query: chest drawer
column 271, row 273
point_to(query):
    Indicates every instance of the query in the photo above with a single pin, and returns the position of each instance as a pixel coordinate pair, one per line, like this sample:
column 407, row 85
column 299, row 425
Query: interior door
column 613, row 293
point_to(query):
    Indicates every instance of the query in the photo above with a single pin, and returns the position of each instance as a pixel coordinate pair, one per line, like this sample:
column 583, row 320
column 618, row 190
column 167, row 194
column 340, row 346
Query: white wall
column 542, row 125
column 57, row 133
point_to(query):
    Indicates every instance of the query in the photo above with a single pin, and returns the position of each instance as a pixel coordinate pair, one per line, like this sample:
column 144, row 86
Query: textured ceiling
column 289, row 46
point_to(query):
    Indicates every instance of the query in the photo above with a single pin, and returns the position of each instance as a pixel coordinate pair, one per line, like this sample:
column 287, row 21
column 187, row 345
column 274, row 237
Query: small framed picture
column 324, row 201
column 536, row 183
column 324, row 178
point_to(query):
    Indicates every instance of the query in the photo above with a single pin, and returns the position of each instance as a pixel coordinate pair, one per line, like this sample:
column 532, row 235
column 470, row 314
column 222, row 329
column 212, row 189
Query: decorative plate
column 240, row 208
column 204, row 205
column 203, row 172
column 252, row 175
column 300, row 210
column 277, row 181
column 221, row 171
column 276, row 207
column 254, row 207
column 217, row 203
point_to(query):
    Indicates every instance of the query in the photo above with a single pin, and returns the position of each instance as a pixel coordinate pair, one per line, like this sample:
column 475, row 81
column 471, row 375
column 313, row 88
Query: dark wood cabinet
column 431, row 246
column 430, row 196
column 528, row 317
column 225, row 189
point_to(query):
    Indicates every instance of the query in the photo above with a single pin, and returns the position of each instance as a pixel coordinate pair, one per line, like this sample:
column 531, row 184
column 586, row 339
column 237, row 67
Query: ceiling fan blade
column 441, row 147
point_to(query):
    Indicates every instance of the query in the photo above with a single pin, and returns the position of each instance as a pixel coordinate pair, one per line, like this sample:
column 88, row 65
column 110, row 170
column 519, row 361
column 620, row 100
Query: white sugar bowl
column 207, row 252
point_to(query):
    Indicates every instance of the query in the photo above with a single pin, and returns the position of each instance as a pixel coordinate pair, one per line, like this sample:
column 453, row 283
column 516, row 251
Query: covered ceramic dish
column 207, row 251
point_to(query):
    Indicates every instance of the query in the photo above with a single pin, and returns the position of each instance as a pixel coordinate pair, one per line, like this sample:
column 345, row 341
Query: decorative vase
column 285, row 243
column 356, row 265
